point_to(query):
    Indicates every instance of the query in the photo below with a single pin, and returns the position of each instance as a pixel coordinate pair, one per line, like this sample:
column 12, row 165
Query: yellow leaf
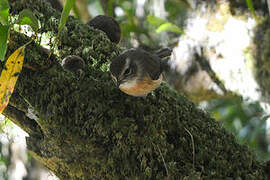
column 9, row 76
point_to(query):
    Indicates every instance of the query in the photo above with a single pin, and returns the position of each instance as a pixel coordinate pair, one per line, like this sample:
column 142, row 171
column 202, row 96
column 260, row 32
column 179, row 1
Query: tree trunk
column 88, row 129
column 261, row 56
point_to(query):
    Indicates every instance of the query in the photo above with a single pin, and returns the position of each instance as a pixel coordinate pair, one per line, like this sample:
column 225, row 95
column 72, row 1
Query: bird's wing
column 151, row 63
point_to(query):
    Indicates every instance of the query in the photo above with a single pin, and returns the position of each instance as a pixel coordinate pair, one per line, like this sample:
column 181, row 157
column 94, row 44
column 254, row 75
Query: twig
column 20, row 119
column 204, row 64
column 163, row 160
column 193, row 147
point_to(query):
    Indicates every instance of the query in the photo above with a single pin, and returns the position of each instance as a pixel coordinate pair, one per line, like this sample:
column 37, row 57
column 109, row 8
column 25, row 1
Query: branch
column 21, row 120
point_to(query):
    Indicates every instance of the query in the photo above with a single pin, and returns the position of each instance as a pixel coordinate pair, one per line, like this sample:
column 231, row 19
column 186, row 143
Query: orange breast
column 143, row 87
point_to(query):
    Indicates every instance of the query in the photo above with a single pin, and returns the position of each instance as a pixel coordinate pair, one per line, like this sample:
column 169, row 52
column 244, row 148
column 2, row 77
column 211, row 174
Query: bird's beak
column 116, row 81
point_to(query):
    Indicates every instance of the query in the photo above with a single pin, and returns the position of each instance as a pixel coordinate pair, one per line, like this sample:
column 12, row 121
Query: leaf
column 169, row 27
column 251, row 7
column 26, row 17
column 69, row 4
column 9, row 76
column 4, row 8
column 156, row 21
column 4, row 31
column 110, row 8
column 76, row 12
column 163, row 25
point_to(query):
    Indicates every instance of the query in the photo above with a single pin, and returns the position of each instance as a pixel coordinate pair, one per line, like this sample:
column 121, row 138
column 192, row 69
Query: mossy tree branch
column 88, row 128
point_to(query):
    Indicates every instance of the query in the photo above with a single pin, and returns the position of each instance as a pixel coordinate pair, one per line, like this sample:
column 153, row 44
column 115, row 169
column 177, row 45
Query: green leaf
column 155, row 20
column 110, row 8
column 4, row 8
column 64, row 16
column 251, row 8
column 9, row 76
column 163, row 25
column 169, row 27
column 26, row 17
column 4, row 31
column 76, row 12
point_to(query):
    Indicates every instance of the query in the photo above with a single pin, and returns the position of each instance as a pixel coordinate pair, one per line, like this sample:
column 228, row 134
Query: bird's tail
column 164, row 54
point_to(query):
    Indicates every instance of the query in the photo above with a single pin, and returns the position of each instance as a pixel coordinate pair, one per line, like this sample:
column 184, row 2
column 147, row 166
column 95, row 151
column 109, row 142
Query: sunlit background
column 188, row 27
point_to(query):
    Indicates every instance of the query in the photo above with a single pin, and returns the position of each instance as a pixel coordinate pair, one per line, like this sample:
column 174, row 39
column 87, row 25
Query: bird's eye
column 127, row 72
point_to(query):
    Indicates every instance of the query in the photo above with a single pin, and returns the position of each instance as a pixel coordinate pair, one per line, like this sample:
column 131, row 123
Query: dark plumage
column 165, row 52
column 149, row 62
column 118, row 63
column 108, row 25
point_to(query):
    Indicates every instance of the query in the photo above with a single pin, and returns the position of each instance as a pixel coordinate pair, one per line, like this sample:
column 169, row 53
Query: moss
column 103, row 137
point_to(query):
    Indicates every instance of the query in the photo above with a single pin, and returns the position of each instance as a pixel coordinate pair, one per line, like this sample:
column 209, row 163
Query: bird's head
column 123, row 69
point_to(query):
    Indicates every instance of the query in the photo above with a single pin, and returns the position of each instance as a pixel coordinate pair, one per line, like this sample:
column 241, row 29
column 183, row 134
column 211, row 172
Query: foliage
column 163, row 25
column 9, row 76
column 251, row 8
column 13, row 65
column 64, row 16
column 4, row 31
column 4, row 8
column 26, row 17
column 246, row 120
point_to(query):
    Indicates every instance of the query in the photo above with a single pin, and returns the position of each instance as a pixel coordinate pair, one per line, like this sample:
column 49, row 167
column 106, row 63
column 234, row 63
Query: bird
column 108, row 25
column 137, row 72
column 74, row 64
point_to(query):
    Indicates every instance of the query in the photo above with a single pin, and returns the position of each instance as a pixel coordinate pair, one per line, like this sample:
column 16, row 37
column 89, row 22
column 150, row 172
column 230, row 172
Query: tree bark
column 261, row 57
column 88, row 129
